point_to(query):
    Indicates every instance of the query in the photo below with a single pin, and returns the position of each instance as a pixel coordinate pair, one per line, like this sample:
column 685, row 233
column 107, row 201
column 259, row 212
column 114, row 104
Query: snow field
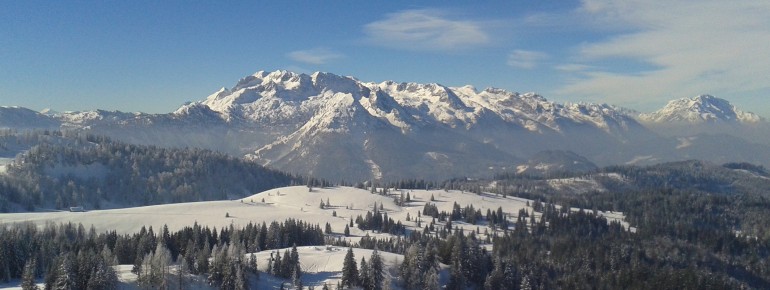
column 283, row 203
column 320, row 264
column 3, row 163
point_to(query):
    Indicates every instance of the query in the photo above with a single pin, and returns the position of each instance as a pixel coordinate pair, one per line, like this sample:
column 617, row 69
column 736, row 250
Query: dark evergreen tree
column 103, row 276
column 296, row 278
column 349, row 270
column 28, row 278
column 277, row 264
column 65, row 274
column 364, row 275
column 377, row 270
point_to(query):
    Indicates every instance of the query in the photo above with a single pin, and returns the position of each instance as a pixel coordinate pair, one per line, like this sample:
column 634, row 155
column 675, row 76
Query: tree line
column 68, row 256
column 62, row 171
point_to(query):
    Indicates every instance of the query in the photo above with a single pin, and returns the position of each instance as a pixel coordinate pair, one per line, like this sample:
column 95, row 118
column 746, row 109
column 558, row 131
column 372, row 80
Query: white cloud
column 525, row 58
column 427, row 30
column 690, row 48
column 573, row 67
column 314, row 56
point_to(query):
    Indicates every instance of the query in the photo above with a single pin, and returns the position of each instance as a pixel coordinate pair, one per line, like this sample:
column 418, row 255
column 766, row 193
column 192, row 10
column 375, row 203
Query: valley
column 376, row 166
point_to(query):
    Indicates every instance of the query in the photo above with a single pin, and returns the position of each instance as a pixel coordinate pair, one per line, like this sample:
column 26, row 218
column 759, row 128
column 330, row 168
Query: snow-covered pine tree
column 182, row 271
column 161, row 265
column 65, row 274
column 431, row 279
column 349, row 270
column 364, row 278
column 241, row 281
column 296, row 277
column 276, row 270
column 287, row 265
column 28, row 277
column 377, row 270
column 103, row 276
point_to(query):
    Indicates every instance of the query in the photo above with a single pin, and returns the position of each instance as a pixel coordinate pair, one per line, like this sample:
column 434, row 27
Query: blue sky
column 152, row 56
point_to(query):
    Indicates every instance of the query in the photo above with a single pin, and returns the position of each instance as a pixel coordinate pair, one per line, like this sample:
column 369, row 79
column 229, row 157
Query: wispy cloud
column 573, row 67
column 711, row 46
column 315, row 56
column 427, row 30
column 526, row 59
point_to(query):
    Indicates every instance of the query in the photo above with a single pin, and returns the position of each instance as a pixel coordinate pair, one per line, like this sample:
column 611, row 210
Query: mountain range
column 341, row 128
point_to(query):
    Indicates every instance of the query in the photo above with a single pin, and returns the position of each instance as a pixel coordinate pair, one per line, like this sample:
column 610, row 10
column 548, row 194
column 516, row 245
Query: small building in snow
column 77, row 209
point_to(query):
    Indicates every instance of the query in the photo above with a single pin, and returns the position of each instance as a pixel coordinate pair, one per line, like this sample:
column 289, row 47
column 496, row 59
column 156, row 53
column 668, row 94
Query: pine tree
column 253, row 265
column 28, row 277
column 287, row 265
column 525, row 284
column 277, row 264
column 241, row 281
column 103, row 276
column 409, row 267
column 182, row 271
column 431, row 279
column 161, row 264
column 228, row 275
column 495, row 278
column 145, row 275
column 349, row 270
column 377, row 271
column 456, row 277
column 294, row 256
column 65, row 274
column 364, row 279
column 108, row 257
column 296, row 278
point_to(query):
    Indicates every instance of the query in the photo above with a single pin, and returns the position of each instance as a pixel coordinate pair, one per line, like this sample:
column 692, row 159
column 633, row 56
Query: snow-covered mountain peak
column 329, row 81
column 49, row 112
column 196, row 110
column 700, row 109
column 280, row 96
column 19, row 117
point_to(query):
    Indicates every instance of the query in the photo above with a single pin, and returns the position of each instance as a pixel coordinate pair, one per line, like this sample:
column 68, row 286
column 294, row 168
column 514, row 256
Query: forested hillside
column 60, row 170
column 686, row 225
column 690, row 218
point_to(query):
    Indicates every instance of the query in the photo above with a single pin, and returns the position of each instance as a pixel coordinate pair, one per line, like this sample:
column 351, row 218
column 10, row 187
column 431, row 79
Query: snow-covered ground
column 3, row 163
column 281, row 204
column 320, row 263
column 576, row 185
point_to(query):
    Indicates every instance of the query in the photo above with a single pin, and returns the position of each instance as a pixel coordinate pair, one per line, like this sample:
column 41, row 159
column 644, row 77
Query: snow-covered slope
column 280, row 204
column 700, row 109
column 708, row 115
column 23, row 118
column 282, row 96
column 341, row 128
column 555, row 161
column 320, row 264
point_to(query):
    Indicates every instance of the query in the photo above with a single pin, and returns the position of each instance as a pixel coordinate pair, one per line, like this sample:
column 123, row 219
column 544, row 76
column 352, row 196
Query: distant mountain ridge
column 700, row 109
column 338, row 127
column 387, row 127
